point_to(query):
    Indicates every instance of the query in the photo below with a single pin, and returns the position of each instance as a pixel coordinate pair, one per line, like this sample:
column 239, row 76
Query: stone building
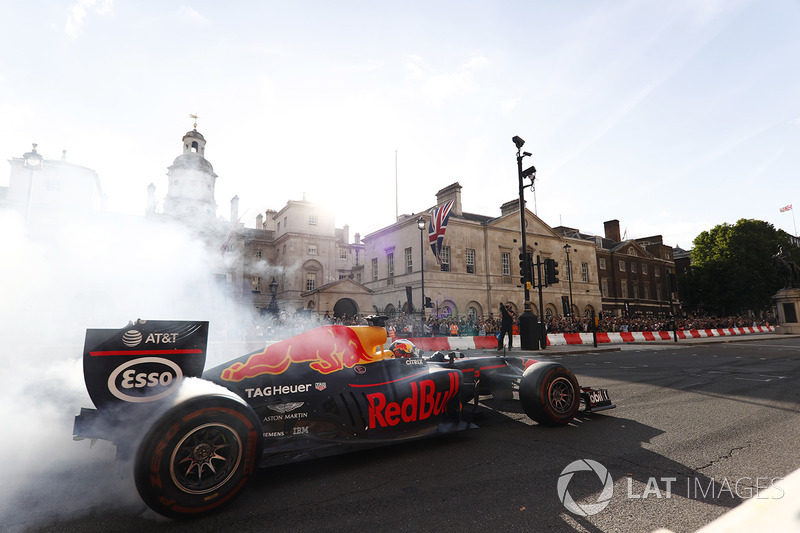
column 480, row 264
column 44, row 190
column 295, row 259
column 637, row 276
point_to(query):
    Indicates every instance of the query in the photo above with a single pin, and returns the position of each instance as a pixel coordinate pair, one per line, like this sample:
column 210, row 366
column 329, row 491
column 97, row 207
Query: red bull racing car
column 196, row 437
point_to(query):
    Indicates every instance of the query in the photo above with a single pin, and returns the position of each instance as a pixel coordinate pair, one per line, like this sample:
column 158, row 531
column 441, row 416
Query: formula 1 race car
column 195, row 437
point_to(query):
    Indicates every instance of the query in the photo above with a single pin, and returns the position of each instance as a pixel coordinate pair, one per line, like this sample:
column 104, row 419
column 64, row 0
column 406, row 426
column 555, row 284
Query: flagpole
column 794, row 224
column 396, row 204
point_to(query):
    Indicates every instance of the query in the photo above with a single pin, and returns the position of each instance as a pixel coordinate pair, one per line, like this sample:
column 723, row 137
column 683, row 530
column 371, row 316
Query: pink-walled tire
column 198, row 456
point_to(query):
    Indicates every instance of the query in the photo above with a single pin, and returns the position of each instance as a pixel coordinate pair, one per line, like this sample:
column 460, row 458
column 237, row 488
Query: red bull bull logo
column 327, row 348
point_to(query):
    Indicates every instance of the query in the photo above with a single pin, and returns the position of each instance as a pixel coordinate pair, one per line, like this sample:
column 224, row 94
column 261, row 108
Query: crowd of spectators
column 285, row 325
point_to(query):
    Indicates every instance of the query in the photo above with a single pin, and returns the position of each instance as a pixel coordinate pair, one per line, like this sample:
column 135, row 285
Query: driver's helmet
column 403, row 348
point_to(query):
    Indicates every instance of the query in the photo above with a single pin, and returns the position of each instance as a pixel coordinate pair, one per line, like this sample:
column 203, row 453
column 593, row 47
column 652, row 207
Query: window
column 657, row 272
column 255, row 282
column 311, row 281
column 644, row 268
column 646, row 291
column 624, row 289
column 312, row 249
column 374, row 269
column 358, row 277
column 470, row 261
column 505, row 259
column 602, row 263
column 604, row 287
column 666, row 255
column 343, row 254
column 636, row 290
column 390, row 264
column 632, row 252
column 622, row 266
column 584, row 271
column 258, row 254
column 409, row 261
column 312, row 220
column 633, row 267
column 444, row 255
column 279, row 226
column 658, row 292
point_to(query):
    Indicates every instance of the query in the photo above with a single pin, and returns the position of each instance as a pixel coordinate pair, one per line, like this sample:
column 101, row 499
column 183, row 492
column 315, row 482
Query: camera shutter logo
column 586, row 509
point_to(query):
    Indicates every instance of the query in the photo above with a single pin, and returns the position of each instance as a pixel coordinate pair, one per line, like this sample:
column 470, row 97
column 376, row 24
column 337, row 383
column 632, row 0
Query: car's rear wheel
column 198, row 456
column 549, row 393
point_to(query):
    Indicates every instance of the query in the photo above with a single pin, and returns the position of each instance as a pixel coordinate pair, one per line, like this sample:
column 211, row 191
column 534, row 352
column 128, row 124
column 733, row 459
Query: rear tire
column 198, row 456
column 549, row 394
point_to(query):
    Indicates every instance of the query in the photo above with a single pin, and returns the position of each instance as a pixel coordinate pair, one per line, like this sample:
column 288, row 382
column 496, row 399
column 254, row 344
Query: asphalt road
column 699, row 428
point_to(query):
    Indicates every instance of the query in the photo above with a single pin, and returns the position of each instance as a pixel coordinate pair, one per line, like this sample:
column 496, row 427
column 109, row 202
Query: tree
column 732, row 272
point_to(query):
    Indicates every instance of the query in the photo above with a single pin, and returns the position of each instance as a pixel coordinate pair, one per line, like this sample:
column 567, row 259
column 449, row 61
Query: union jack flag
column 787, row 208
column 437, row 227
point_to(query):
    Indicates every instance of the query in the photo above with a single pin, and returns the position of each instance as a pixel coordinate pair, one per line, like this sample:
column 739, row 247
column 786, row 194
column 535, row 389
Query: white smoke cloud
column 55, row 282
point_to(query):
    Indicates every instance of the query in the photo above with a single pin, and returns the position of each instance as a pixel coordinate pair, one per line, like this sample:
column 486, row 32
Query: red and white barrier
column 563, row 339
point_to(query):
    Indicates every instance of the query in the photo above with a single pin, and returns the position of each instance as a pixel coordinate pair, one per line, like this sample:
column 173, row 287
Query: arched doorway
column 346, row 307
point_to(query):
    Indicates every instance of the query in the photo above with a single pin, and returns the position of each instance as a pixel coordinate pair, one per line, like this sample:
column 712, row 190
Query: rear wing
column 142, row 362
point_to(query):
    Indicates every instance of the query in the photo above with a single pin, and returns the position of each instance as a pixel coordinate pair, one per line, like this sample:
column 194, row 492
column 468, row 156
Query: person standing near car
column 506, row 323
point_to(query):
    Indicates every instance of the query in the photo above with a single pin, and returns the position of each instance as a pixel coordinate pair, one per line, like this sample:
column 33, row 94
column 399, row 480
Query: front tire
column 549, row 394
column 198, row 456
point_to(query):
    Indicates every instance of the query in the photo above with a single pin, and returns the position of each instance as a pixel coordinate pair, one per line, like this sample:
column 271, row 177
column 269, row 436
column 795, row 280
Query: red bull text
column 425, row 401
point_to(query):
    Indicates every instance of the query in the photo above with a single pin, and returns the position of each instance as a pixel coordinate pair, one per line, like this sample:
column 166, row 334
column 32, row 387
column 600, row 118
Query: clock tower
column 191, row 181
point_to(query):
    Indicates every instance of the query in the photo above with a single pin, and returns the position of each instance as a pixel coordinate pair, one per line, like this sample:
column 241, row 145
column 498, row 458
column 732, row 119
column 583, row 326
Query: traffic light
column 551, row 271
column 522, row 277
column 428, row 302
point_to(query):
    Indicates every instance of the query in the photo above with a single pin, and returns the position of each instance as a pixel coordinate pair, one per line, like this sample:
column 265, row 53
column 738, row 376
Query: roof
column 194, row 133
column 193, row 161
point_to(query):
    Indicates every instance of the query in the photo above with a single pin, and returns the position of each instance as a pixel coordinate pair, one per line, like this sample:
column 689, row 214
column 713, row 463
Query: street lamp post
column 273, row 303
column 527, row 321
column 567, row 248
column 421, row 226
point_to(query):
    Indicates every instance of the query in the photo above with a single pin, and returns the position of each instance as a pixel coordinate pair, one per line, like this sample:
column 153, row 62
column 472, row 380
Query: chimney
column 269, row 219
column 260, row 221
column 234, row 209
column 346, row 234
column 357, row 238
column 612, row 230
column 509, row 207
column 451, row 192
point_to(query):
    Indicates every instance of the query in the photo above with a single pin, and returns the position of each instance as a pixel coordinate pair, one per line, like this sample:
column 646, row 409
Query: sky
column 672, row 117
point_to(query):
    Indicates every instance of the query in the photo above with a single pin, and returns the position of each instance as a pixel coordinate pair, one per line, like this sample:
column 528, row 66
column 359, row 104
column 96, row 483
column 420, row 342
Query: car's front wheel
column 198, row 456
column 549, row 393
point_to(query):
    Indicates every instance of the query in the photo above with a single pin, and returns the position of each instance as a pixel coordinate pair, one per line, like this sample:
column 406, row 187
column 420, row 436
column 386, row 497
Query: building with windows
column 479, row 264
column 45, row 190
column 296, row 260
column 637, row 276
